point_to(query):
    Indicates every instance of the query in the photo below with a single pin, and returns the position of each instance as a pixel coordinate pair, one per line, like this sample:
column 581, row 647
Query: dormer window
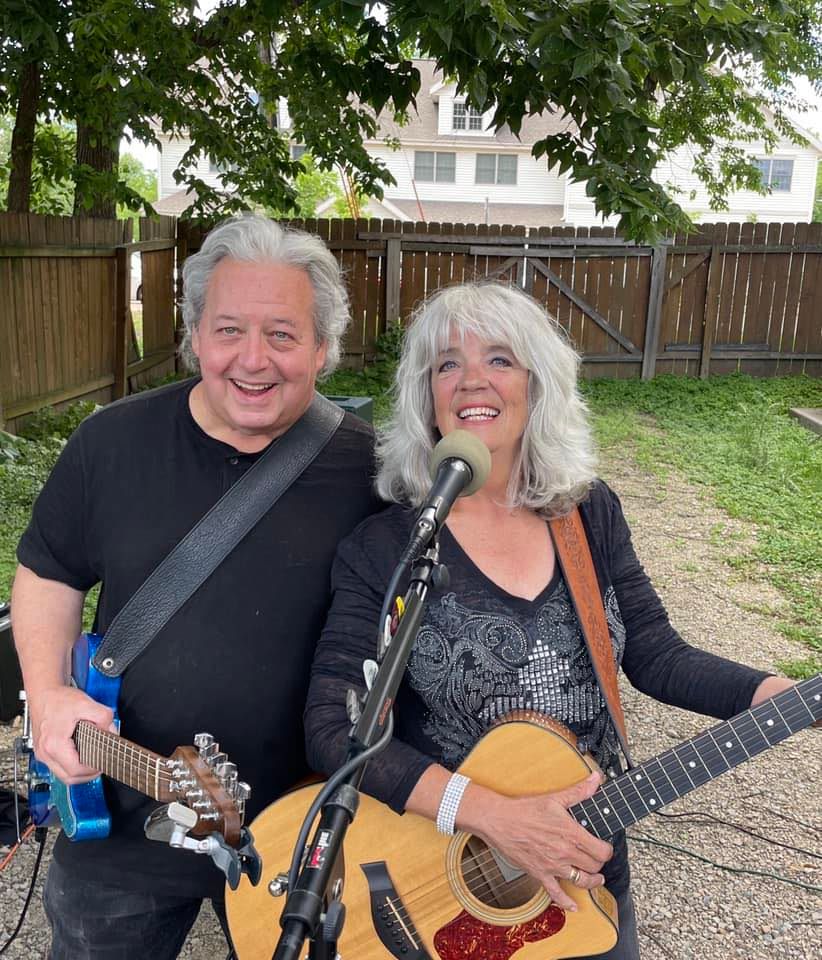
column 776, row 174
column 466, row 117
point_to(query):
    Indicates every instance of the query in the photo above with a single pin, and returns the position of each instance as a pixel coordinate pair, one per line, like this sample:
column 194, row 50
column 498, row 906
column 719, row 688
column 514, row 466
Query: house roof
column 422, row 122
column 444, row 211
column 175, row 203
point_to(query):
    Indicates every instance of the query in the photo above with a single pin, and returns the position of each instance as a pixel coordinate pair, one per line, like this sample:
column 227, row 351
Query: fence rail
column 727, row 297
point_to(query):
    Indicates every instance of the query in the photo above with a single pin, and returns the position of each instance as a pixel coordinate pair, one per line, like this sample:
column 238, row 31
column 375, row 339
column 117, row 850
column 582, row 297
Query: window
column 465, row 117
column 430, row 167
column 496, row 168
column 776, row 174
column 298, row 150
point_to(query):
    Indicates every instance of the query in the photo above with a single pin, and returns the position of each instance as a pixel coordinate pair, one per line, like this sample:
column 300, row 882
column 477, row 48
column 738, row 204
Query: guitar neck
column 121, row 759
column 657, row 782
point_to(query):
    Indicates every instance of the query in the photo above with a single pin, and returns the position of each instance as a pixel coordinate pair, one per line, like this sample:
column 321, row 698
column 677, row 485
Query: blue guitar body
column 81, row 809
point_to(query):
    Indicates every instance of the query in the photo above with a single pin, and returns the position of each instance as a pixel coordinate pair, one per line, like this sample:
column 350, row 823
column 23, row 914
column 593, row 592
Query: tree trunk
column 103, row 158
column 22, row 140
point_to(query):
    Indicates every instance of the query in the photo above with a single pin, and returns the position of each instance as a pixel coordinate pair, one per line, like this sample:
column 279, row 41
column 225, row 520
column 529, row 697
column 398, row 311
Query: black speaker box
column 11, row 680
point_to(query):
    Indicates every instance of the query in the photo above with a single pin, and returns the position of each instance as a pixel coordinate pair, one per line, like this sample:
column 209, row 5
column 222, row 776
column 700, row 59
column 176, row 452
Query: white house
column 451, row 167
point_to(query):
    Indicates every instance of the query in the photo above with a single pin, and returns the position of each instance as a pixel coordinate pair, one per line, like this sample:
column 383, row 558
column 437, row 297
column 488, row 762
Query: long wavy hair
column 556, row 463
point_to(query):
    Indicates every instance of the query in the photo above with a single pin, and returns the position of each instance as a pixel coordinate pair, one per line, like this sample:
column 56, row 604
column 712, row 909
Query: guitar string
column 474, row 864
column 141, row 762
column 142, row 765
column 94, row 738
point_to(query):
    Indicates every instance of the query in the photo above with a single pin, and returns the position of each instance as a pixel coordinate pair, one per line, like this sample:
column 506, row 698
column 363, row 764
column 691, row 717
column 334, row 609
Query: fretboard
column 120, row 759
column 670, row 775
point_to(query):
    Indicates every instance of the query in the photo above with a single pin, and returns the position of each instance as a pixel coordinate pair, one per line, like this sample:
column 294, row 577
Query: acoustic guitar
column 413, row 894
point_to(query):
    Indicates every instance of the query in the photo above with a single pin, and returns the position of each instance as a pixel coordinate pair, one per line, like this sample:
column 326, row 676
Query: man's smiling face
column 258, row 354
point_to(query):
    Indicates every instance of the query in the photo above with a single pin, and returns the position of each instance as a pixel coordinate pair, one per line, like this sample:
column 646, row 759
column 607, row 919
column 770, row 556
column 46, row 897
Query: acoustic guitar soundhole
column 494, row 881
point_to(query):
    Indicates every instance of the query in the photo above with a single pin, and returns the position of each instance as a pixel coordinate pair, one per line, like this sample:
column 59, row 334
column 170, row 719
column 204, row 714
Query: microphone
column 460, row 464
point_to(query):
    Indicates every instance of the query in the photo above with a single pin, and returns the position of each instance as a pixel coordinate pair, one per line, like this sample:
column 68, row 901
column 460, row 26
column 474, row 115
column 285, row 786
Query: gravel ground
column 751, row 899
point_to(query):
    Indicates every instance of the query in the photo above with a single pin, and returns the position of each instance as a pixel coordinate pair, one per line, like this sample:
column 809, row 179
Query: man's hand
column 54, row 716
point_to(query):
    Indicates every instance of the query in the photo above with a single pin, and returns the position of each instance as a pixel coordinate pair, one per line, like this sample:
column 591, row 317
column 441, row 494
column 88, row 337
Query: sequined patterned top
column 482, row 652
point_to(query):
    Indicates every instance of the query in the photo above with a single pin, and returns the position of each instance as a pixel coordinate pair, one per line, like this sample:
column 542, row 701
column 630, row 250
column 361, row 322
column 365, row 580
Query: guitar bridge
column 392, row 922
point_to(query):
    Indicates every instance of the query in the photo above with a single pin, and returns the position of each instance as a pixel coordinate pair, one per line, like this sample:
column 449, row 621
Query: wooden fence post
column 122, row 295
column 392, row 280
column 653, row 319
column 711, row 313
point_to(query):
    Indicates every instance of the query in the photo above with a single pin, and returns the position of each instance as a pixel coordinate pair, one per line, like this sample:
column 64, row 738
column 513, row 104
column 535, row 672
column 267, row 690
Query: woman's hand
column 538, row 835
column 770, row 687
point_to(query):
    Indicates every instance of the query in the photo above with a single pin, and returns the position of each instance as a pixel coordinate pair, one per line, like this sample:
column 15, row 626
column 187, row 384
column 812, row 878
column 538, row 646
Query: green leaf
column 585, row 63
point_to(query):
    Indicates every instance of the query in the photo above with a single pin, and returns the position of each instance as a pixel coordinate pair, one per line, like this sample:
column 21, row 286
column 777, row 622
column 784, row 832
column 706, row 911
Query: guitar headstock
column 205, row 780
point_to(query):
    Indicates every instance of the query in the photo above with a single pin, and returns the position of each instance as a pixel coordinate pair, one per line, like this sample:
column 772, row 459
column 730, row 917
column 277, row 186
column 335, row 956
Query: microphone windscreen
column 463, row 445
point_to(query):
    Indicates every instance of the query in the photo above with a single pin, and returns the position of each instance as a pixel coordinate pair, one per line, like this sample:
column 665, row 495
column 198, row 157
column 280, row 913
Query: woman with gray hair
column 503, row 636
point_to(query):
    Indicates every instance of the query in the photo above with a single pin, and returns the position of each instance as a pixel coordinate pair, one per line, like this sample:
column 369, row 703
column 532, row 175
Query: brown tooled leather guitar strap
column 574, row 555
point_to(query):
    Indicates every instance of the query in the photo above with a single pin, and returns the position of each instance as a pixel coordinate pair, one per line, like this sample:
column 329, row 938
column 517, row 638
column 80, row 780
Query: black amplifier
column 11, row 680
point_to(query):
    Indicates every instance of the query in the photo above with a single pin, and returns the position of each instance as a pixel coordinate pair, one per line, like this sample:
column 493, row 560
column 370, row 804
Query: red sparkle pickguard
column 467, row 938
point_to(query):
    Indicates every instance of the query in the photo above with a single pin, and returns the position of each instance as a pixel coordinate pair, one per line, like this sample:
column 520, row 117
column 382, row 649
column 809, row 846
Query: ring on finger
column 574, row 876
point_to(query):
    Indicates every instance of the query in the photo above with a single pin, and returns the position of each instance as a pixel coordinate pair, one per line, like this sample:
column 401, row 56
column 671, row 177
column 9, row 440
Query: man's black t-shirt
column 234, row 661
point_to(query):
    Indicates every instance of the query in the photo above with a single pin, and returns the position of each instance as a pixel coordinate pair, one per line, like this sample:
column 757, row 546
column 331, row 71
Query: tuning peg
column 202, row 740
column 227, row 772
column 215, row 760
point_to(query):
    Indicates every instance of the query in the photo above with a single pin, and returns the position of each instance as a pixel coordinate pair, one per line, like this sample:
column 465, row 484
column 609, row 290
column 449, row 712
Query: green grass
column 734, row 436
column 730, row 434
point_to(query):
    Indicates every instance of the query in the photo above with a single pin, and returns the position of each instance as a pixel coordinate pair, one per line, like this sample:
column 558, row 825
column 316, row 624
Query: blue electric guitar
column 200, row 777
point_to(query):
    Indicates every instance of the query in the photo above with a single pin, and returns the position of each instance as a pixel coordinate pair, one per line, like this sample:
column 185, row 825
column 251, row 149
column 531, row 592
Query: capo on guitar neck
column 170, row 824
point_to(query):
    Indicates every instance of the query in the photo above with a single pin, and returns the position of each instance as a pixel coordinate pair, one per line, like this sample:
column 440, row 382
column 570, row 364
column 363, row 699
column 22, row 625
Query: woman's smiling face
column 481, row 387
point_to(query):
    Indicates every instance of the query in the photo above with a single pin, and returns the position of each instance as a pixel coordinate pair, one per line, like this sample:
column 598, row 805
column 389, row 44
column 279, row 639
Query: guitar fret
column 666, row 795
column 607, row 810
column 684, row 769
column 628, row 780
column 710, row 753
column 587, row 807
column 732, row 748
column 692, row 763
column 748, row 726
column 718, row 749
column 677, row 773
column 614, row 787
column 644, row 789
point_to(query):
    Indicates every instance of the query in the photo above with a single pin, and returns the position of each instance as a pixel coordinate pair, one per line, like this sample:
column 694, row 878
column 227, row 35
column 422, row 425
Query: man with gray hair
column 264, row 312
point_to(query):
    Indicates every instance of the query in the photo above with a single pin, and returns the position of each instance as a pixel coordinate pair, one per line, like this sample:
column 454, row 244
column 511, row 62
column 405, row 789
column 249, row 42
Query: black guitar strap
column 214, row 536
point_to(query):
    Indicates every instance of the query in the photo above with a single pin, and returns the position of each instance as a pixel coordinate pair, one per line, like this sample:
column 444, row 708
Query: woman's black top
column 482, row 652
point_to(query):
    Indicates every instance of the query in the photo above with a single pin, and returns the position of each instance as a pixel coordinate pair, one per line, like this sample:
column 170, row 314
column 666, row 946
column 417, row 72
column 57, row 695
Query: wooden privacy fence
column 728, row 297
column 65, row 320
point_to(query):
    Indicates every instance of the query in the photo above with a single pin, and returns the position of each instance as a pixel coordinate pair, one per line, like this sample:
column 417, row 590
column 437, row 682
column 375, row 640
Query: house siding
column 535, row 183
column 790, row 206
column 169, row 159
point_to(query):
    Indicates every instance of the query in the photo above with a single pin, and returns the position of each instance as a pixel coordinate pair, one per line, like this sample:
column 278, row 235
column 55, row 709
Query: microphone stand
column 314, row 910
